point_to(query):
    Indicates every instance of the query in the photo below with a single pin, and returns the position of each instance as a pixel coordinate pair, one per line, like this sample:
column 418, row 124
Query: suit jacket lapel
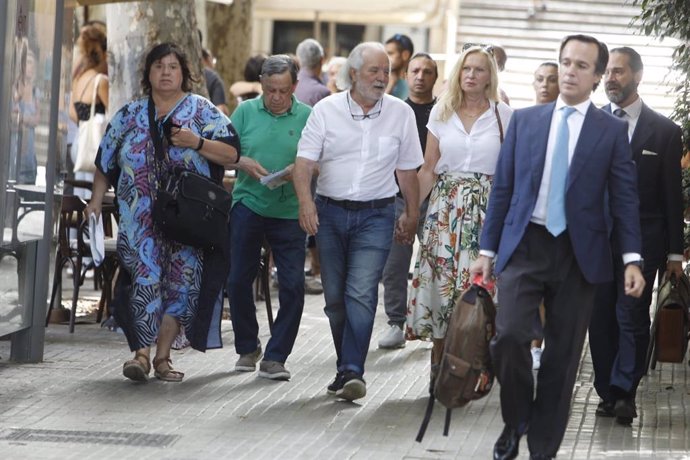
column 643, row 130
column 589, row 137
column 539, row 131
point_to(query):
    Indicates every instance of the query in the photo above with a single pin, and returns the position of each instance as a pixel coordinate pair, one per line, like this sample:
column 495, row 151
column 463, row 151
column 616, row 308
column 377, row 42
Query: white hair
column 354, row 61
column 309, row 52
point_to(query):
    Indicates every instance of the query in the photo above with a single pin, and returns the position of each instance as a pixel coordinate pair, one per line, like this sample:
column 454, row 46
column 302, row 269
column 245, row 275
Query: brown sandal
column 168, row 374
column 134, row 369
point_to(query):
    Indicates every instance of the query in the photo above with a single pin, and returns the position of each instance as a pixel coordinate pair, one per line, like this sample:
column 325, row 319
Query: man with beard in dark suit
column 619, row 328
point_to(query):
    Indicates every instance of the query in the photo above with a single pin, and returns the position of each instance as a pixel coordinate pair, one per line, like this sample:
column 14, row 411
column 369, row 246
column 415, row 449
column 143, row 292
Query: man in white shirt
column 359, row 138
column 619, row 328
column 546, row 226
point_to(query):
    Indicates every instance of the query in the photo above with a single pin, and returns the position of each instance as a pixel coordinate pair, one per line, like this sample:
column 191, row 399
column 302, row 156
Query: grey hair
column 277, row 64
column 310, row 53
column 354, row 61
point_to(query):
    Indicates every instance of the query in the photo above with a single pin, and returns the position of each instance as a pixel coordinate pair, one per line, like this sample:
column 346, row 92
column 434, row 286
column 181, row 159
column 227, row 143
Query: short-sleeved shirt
column 357, row 158
column 401, row 90
column 473, row 152
column 271, row 140
column 215, row 87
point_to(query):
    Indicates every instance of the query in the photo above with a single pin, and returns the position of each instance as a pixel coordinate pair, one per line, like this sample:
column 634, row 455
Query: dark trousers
column 286, row 238
column 619, row 328
column 542, row 267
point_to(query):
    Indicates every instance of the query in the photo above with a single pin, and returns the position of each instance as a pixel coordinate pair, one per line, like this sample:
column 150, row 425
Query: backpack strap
column 446, row 424
column 427, row 418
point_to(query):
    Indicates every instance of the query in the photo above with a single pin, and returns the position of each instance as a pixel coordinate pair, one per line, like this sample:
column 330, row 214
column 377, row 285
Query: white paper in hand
column 97, row 239
column 276, row 179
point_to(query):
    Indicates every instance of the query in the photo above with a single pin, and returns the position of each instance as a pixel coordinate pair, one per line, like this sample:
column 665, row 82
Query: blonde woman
column 465, row 133
column 93, row 64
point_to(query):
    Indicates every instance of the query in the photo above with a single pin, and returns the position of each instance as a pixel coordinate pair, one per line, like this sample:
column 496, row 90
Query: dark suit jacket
column 657, row 149
column 601, row 162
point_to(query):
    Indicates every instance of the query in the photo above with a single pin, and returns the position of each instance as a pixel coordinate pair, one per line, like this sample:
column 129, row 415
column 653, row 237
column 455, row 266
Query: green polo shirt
column 271, row 140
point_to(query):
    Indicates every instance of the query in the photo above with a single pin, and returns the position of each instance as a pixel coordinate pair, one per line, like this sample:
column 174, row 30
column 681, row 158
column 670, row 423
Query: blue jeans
column 286, row 238
column 353, row 248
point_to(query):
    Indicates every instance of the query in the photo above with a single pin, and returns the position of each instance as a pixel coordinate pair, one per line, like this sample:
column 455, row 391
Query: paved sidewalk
column 76, row 404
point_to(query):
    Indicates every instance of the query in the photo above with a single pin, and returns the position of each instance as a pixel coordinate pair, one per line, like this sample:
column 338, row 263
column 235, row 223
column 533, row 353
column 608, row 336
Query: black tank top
column 84, row 110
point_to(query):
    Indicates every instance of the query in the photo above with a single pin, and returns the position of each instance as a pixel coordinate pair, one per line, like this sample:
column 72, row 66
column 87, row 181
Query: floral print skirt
column 450, row 243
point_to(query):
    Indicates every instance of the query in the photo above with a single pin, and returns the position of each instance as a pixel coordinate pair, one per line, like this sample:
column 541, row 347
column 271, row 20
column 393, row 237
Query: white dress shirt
column 357, row 158
column 632, row 115
column 473, row 152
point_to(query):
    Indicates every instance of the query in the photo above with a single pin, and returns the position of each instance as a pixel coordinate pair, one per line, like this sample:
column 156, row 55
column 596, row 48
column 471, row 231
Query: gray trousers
column 542, row 267
column 397, row 268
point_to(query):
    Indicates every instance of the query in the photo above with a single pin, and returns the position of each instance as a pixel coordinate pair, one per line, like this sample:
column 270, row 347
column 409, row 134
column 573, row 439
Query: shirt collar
column 262, row 106
column 582, row 107
column 632, row 110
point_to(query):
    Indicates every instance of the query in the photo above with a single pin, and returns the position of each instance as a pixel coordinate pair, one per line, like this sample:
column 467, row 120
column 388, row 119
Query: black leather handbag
column 189, row 208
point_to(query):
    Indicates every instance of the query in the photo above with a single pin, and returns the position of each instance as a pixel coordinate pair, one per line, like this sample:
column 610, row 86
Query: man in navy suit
column 546, row 227
column 619, row 328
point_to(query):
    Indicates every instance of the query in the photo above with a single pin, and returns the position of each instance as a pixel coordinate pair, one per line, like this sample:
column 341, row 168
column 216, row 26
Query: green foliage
column 671, row 18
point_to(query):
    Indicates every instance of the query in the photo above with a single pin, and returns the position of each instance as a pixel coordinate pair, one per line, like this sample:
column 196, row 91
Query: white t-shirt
column 476, row 152
column 357, row 158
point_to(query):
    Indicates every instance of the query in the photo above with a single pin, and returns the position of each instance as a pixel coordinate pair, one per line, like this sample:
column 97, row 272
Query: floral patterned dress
column 450, row 242
column 161, row 276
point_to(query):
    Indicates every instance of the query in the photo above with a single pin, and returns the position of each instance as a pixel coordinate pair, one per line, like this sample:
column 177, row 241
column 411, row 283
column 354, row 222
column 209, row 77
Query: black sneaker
column 336, row 385
column 354, row 387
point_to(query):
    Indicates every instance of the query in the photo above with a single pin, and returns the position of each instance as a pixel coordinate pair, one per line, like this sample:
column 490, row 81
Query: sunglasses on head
column 488, row 48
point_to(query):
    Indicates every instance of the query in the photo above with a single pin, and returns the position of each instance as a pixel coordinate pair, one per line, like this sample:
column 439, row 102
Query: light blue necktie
column 555, row 204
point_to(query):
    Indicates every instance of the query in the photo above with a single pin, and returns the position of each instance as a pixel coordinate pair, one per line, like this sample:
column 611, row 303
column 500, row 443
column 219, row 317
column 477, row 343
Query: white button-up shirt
column 473, row 152
column 357, row 158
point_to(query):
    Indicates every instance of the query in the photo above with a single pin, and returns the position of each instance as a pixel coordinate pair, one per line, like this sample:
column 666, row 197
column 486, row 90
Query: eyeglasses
column 488, row 48
column 364, row 116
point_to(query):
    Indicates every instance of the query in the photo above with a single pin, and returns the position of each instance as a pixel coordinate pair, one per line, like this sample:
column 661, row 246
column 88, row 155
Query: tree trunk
column 133, row 28
column 229, row 39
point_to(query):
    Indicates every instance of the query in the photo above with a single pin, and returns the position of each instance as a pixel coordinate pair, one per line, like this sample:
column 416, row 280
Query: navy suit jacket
column 656, row 150
column 601, row 161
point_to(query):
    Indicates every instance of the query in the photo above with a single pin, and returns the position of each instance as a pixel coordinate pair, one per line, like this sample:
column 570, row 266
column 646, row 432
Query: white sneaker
column 536, row 358
column 394, row 337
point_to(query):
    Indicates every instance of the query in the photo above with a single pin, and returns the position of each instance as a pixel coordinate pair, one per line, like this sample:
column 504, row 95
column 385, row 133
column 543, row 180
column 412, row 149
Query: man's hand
column 405, row 228
column 252, row 167
column 483, row 266
column 634, row 281
column 308, row 217
column 674, row 267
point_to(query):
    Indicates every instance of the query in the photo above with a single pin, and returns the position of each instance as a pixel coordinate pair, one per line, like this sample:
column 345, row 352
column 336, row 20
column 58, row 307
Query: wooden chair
column 71, row 251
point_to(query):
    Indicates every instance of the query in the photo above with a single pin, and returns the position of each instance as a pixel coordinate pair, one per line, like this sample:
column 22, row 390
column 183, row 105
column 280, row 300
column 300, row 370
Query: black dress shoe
column 605, row 409
column 540, row 457
column 625, row 411
column 506, row 448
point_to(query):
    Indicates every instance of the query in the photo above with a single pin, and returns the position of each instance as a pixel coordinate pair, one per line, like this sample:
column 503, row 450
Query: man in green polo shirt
column 269, row 128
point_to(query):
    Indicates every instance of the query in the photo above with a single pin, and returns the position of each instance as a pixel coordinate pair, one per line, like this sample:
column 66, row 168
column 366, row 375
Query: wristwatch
column 639, row 263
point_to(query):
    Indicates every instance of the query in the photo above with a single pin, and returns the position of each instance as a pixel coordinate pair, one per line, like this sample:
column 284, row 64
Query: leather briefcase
column 671, row 321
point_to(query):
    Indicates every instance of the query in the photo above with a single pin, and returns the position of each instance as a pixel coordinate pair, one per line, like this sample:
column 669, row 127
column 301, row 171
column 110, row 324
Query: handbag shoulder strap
column 95, row 95
column 498, row 119
column 153, row 130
